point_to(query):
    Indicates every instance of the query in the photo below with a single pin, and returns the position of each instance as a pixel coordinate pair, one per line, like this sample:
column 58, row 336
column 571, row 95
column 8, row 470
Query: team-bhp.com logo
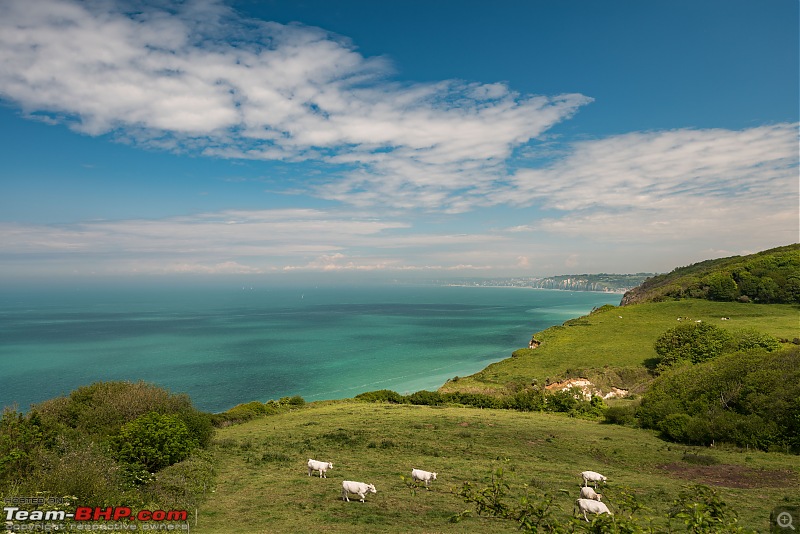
column 87, row 513
column 116, row 518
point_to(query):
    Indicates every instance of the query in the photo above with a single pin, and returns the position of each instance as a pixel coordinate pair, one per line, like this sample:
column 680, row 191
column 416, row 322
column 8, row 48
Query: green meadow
column 262, row 483
column 612, row 345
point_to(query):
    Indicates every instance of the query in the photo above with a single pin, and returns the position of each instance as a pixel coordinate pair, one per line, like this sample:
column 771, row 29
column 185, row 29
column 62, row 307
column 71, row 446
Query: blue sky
column 398, row 138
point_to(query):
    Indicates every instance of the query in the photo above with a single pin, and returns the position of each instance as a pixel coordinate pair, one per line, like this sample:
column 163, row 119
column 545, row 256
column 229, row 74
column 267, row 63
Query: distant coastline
column 597, row 283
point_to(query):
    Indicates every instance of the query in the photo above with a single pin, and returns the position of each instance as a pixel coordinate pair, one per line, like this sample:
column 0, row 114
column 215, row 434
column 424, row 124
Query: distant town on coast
column 609, row 283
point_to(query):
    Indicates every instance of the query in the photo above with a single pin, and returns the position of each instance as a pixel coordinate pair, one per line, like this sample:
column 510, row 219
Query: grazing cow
column 322, row 467
column 591, row 476
column 588, row 505
column 425, row 476
column 589, row 493
column 358, row 488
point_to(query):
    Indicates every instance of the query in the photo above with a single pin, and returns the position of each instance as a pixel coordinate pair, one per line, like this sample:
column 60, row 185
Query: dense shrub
column 97, row 442
column 101, row 409
column 749, row 339
column 747, row 398
column 250, row 410
column 526, row 399
column 694, row 342
column 476, row 400
column 20, row 439
column 621, row 415
column 766, row 277
column 153, row 441
column 82, row 469
column 382, row 395
column 426, row 398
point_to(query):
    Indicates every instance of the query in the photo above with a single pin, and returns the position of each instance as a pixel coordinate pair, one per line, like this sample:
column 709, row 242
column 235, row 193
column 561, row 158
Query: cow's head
column 330, row 465
column 371, row 488
column 433, row 475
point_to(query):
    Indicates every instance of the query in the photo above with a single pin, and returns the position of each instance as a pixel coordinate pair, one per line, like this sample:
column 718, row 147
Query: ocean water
column 228, row 345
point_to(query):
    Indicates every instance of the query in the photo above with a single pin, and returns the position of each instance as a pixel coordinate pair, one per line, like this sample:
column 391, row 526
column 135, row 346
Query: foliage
column 766, row 277
column 698, row 507
column 621, row 415
column 701, row 509
column 250, row 410
column 699, row 342
column 96, row 442
column 153, row 441
column 527, row 399
column 693, row 342
column 747, row 398
column 533, row 512
column 81, row 468
column 20, row 439
column 100, row 409
column 183, row 485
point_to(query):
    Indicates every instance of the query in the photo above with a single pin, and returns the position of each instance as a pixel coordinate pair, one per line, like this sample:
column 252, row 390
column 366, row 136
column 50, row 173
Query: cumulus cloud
column 196, row 76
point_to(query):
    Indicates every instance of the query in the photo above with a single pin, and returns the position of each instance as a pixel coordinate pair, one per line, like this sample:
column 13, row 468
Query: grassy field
column 610, row 346
column 262, row 483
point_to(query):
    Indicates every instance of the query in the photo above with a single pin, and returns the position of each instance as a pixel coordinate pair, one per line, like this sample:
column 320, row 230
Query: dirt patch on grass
column 732, row 476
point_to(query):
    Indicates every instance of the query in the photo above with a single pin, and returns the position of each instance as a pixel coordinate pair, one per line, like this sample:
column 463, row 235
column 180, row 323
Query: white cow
column 322, row 467
column 420, row 475
column 588, row 505
column 591, row 476
column 358, row 488
column 589, row 493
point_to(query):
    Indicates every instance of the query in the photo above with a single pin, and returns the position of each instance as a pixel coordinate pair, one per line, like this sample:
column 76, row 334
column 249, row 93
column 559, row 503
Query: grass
column 611, row 346
column 263, row 486
column 262, row 482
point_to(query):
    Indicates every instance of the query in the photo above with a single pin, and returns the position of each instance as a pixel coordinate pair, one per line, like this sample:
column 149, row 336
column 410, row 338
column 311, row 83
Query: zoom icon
column 785, row 519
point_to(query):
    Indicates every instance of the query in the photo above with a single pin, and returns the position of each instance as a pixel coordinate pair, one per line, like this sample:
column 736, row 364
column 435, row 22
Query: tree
column 722, row 286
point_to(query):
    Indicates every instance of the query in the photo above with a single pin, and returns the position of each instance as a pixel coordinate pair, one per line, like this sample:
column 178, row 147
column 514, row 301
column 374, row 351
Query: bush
column 620, row 415
column 295, row 401
column 426, row 398
column 153, row 441
column 476, row 400
column 20, row 439
column 751, row 339
column 746, row 398
column 382, row 395
column 80, row 469
column 528, row 400
column 694, row 342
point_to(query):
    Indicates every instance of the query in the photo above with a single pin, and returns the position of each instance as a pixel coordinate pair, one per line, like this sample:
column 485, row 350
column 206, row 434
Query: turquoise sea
column 228, row 345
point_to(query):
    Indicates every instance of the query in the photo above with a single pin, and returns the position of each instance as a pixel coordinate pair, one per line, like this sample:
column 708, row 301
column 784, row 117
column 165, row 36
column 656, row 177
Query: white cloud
column 197, row 76
column 240, row 242
column 674, row 185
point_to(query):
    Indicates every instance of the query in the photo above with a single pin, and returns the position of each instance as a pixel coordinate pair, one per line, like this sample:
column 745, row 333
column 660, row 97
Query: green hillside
column 612, row 345
column 771, row 276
